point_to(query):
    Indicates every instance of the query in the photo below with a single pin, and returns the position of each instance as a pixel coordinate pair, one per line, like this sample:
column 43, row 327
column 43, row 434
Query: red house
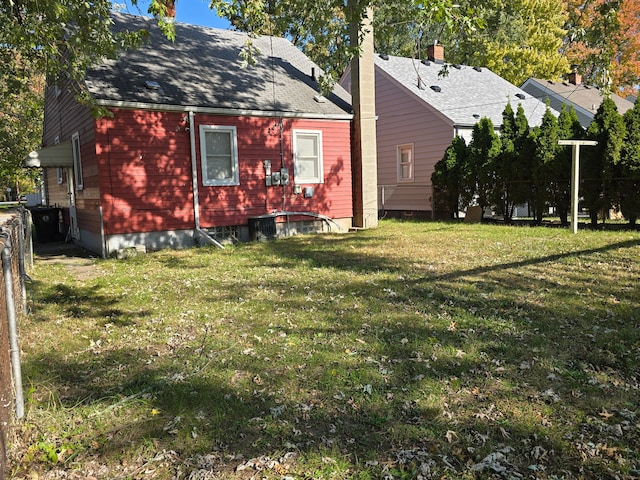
column 198, row 147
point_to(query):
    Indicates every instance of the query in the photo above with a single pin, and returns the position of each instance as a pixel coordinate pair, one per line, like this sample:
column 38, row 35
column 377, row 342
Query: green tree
column 512, row 165
column 601, row 165
column 484, row 150
column 518, row 39
column 321, row 29
column 546, row 138
column 448, row 175
column 630, row 166
column 604, row 41
column 57, row 40
column 569, row 128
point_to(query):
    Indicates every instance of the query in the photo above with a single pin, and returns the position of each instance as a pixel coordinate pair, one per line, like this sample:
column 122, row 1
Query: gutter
column 221, row 111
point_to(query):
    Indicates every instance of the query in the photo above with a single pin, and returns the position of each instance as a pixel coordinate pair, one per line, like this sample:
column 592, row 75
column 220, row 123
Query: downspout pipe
column 194, row 176
column 194, row 170
column 13, row 326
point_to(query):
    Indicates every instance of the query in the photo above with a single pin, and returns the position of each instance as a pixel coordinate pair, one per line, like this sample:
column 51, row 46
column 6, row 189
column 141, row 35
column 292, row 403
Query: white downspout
column 194, row 170
column 194, row 176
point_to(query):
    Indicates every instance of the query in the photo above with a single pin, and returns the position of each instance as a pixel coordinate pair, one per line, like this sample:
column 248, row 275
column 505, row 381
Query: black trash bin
column 46, row 221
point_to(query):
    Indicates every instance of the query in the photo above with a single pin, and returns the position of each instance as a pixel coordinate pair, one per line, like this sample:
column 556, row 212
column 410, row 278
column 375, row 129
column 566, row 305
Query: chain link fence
column 17, row 256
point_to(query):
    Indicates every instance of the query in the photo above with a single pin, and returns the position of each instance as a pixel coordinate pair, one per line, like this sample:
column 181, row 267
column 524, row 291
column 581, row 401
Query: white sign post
column 575, row 176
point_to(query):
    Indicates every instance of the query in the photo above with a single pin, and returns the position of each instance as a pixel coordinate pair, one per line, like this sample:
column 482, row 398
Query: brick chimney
column 364, row 152
column 435, row 53
column 575, row 78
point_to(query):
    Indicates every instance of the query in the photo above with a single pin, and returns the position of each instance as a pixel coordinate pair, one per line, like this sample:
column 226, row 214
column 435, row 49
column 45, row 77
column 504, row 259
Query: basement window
column 219, row 155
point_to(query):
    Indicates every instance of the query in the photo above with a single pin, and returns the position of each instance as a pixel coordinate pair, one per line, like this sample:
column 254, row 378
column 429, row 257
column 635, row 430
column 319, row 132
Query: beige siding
column 404, row 119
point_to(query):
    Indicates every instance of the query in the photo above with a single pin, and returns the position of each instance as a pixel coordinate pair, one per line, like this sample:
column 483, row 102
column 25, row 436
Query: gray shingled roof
column 580, row 96
column 466, row 93
column 202, row 68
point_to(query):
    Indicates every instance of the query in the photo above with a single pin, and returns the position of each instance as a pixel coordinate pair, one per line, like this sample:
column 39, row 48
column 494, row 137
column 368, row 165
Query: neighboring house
column 573, row 93
column 197, row 145
column 421, row 106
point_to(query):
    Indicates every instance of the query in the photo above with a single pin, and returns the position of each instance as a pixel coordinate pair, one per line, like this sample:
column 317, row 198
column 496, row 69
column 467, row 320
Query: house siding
column 260, row 139
column 64, row 116
column 145, row 166
column 146, row 177
column 404, row 119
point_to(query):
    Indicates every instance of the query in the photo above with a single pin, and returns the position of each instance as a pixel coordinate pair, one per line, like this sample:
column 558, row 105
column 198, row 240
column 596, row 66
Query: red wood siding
column 259, row 139
column 145, row 181
column 64, row 116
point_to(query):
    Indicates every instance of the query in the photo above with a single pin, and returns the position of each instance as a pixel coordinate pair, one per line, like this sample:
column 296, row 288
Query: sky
column 196, row 12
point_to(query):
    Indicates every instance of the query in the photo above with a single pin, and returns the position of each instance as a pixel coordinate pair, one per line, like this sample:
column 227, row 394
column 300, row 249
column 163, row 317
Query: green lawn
column 414, row 350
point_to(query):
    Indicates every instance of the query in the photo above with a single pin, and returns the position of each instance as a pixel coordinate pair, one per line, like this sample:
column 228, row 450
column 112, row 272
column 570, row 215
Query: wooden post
column 575, row 176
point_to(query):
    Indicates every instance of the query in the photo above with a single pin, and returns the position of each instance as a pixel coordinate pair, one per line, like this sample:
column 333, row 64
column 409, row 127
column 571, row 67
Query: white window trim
column 412, row 163
column 298, row 179
column 77, row 160
column 235, row 179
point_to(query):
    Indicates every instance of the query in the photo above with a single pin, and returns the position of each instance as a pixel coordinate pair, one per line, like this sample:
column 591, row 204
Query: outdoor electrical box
column 308, row 192
column 267, row 172
column 284, row 176
column 275, row 178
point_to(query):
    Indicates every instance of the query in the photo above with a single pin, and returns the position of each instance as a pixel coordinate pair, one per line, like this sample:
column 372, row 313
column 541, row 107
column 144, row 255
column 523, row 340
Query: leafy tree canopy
column 516, row 39
column 322, row 28
column 604, row 42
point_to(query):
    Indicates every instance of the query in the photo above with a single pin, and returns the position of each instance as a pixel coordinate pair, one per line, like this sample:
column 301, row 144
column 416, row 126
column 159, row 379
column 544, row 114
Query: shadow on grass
column 90, row 301
column 447, row 367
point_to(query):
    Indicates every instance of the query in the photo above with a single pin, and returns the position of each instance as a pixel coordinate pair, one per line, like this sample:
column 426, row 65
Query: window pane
column 307, row 146
column 219, row 155
column 219, row 143
column 307, row 168
column 77, row 161
column 219, row 158
column 405, row 163
column 219, row 167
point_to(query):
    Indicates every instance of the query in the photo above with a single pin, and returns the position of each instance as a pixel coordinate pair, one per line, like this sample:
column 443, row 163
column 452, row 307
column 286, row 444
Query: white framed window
column 307, row 155
column 77, row 160
column 219, row 155
column 405, row 163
